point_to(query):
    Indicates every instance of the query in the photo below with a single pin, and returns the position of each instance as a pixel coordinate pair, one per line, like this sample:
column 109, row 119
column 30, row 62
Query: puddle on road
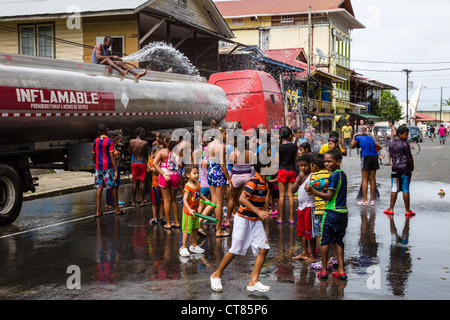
column 409, row 255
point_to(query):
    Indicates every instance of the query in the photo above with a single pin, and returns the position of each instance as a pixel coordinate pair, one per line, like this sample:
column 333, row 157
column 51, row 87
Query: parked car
column 415, row 134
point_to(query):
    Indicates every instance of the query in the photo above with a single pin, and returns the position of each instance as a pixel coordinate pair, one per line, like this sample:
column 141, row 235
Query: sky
column 413, row 31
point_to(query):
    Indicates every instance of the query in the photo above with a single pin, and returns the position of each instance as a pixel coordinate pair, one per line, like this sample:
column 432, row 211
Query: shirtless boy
column 102, row 55
column 139, row 149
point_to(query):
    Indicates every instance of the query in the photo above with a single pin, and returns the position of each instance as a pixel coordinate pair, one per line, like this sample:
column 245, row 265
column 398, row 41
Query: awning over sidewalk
column 423, row 117
column 366, row 116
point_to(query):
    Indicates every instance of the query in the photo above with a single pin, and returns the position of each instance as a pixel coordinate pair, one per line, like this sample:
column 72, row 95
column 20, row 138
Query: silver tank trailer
column 47, row 100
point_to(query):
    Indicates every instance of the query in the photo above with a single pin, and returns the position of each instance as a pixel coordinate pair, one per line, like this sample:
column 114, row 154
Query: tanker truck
column 50, row 110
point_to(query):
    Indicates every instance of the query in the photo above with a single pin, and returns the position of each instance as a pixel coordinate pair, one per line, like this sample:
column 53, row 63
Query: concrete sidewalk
column 63, row 182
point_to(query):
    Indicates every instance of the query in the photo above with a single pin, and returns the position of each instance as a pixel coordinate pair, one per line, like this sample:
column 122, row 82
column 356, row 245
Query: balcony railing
column 342, row 60
column 319, row 106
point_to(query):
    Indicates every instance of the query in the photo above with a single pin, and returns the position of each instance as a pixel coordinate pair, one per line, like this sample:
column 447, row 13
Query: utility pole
column 309, row 59
column 407, row 71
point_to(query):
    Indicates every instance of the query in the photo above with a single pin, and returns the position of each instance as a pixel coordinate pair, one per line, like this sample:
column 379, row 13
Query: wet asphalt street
column 126, row 258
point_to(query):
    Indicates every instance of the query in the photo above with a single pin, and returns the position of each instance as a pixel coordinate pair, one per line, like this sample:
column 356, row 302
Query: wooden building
column 69, row 30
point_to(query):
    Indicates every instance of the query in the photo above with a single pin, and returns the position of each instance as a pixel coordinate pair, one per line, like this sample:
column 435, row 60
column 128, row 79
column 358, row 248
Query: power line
column 429, row 70
column 399, row 62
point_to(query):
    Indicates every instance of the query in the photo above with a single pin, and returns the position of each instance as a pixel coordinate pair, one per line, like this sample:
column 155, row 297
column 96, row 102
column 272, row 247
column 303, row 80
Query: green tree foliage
column 390, row 108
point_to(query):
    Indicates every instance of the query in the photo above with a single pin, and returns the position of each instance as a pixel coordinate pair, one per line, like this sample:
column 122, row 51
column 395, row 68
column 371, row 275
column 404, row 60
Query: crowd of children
column 252, row 195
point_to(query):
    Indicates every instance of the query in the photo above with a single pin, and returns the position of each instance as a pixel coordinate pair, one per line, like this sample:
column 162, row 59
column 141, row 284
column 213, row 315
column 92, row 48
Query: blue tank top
column 105, row 52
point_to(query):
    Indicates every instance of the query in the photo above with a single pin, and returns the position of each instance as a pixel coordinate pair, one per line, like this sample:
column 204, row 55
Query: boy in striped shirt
column 248, row 231
column 105, row 168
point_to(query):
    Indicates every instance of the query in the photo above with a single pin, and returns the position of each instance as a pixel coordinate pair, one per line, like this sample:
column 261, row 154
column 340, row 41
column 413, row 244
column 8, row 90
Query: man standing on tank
column 138, row 148
column 102, row 55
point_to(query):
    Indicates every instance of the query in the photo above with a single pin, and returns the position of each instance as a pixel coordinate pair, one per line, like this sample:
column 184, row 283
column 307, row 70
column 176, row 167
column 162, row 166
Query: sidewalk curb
column 64, row 190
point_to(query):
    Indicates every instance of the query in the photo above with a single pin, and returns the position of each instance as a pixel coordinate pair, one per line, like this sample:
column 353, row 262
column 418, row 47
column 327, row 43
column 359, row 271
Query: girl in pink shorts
column 167, row 164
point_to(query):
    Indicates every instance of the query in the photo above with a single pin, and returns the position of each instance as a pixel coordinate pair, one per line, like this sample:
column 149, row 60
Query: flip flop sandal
column 223, row 235
column 411, row 213
column 340, row 276
column 322, row 275
column 122, row 212
column 201, row 233
column 388, row 212
column 333, row 261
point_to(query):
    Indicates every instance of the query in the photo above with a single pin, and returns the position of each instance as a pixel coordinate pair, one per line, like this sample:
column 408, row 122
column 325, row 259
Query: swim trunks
column 216, row 177
column 400, row 182
column 170, row 166
column 157, row 197
column 174, row 181
column 104, row 179
column 248, row 233
column 240, row 179
column 334, row 225
column 286, row 176
column 139, row 171
column 304, row 223
column 190, row 222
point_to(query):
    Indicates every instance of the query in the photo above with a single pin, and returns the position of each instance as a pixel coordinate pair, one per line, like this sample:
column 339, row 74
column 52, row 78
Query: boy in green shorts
column 191, row 201
column 335, row 217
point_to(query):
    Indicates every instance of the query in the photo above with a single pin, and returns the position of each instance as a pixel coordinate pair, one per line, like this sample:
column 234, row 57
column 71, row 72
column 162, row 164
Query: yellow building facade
column 68, row 32
column 39, row 37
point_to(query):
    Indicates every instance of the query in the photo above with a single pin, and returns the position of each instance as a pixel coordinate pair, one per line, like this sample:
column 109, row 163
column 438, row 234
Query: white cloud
column 404, row 31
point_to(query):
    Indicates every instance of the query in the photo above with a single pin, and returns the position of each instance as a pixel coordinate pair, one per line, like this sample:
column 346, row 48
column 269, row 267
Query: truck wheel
column 11, row 195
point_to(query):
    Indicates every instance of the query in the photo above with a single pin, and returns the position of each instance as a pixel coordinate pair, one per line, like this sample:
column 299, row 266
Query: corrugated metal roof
column 288, row 56
column 25, row 8
column 272, row 7
column 435, row 108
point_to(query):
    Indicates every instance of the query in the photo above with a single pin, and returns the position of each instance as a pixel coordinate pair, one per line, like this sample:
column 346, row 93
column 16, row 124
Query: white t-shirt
column 304, row 199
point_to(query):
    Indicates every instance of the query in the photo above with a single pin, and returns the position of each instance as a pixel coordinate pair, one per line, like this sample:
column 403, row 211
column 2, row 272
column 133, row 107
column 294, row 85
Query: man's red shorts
column 139, row 171
column 286, row 176
column 304, row 223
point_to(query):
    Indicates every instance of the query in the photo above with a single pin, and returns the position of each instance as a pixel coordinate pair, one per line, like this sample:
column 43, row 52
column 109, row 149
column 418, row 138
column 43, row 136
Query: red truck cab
column 254, row 98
